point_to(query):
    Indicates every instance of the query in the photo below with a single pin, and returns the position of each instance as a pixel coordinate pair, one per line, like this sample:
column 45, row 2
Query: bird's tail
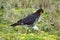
column 15, row 24
column 18, row 23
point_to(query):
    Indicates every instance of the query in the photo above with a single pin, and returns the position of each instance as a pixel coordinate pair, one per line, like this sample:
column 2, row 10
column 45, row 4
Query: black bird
column 30, row 20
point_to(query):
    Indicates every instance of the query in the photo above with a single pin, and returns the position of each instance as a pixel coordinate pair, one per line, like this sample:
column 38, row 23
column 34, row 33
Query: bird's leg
column 36, row 29
column 27, row 31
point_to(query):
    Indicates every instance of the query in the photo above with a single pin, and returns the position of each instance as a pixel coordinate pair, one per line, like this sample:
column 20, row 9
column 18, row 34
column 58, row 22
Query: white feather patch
column 35, row 27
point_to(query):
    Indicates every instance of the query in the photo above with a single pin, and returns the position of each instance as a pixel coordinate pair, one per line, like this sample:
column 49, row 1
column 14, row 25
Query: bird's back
column 30, row 19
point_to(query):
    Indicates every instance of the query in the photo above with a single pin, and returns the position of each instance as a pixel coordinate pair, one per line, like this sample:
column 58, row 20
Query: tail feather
column 15, row 24
column 18, row 23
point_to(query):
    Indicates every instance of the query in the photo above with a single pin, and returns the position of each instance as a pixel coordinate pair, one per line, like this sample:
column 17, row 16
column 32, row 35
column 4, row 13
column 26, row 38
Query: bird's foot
column 38, row 31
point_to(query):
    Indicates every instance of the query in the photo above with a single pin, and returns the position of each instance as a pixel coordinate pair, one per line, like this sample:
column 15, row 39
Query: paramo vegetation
column 13, row 10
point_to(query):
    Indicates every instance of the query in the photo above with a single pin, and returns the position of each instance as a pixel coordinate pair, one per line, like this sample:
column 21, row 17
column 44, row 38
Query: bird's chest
column 36, row 19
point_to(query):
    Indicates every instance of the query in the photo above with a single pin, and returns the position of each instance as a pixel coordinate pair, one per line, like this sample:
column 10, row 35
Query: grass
column 31, row 36
column 9, row 33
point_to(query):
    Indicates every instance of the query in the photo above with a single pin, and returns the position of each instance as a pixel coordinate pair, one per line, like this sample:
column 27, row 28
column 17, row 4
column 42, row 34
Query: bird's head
column 40, row 11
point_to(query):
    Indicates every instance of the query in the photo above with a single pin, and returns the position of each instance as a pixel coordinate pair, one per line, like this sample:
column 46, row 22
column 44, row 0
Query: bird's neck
column 38, row 13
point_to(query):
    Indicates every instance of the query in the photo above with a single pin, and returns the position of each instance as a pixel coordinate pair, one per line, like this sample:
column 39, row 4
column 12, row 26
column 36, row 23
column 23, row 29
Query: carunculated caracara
column 30, row 20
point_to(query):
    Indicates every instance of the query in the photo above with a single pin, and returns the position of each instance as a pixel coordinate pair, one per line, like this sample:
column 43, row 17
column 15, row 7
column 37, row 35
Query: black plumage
column 30, row 19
